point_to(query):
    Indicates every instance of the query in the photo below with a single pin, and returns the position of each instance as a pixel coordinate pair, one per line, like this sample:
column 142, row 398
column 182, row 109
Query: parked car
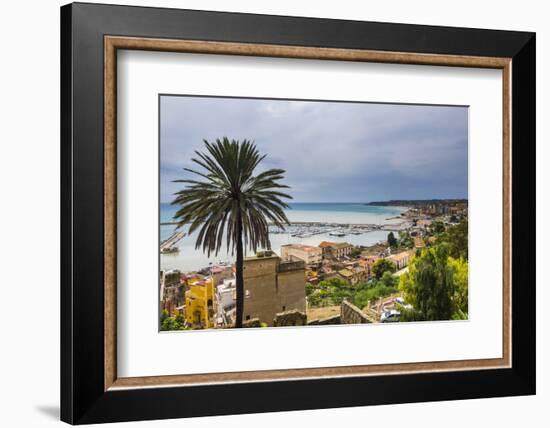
column 390, row 316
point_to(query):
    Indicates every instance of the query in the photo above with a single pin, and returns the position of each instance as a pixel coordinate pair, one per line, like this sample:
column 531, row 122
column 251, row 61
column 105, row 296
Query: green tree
column 381, row 266
column 405, row 239
column 335, row 282
column 232, row 204
column 429, row 285
column 362, row 297
column 356, row 252
column 457, row 238
column 392, row 241
column 331, row 292
column 437, row 227
column 169, row 323
column 388, row 280
column 460, row 298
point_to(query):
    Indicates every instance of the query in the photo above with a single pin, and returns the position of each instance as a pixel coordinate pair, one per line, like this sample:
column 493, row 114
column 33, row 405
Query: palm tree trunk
column 239, row 274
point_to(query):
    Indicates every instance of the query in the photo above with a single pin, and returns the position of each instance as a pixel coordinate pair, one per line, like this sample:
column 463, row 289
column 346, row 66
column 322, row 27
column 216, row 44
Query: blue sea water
column 189, row 259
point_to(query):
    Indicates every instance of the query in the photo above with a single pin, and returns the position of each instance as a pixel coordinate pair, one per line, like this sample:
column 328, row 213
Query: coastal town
column 333, row 282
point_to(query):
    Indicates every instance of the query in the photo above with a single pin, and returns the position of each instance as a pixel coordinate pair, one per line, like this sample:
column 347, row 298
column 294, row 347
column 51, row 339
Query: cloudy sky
column 331, row 151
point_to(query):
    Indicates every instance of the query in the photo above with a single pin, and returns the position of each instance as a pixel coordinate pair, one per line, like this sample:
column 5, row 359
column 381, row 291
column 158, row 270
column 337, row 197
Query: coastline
column 357, row 224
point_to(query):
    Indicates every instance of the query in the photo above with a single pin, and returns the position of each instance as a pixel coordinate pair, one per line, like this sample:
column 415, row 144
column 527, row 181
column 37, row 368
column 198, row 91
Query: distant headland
column 416, row 202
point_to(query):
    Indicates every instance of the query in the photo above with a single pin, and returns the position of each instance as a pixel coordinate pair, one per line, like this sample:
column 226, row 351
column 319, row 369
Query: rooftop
column 302, row 247
column 399, row 256
column 219, row 269
column 342, row 245
column 262, row 255
column 286, row 266
column 345, row 273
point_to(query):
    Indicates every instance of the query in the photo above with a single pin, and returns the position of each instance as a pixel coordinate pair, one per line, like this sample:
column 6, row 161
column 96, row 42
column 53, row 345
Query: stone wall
column 351, row 314
column 335, row 319
column 252, row 323
column 290, row 318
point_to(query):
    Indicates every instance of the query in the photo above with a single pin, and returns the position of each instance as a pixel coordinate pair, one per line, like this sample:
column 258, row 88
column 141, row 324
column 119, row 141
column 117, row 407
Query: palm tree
column 232, row 203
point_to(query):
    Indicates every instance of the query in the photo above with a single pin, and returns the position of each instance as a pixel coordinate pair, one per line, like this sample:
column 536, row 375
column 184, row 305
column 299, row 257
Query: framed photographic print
column 292, row 213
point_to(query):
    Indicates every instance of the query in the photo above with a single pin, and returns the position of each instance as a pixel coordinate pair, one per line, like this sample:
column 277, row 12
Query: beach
column 189, row 259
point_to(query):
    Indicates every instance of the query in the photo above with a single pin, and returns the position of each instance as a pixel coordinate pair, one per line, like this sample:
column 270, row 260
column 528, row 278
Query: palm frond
column 230, row 191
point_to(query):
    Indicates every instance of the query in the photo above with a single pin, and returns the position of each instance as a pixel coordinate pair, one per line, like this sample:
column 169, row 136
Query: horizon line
column 365, row 202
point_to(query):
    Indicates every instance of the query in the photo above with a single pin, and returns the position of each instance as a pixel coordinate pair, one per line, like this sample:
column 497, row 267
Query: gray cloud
column 332, row 151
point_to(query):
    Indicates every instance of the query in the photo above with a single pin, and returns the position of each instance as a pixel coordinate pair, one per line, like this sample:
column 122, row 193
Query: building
column 199, row 303
column 341, row 249
column 401, row 260
column 221, row 273
column 226, row 294
column 335, row 249
column 419, row 242
column 171, row 291
column 312, row 276
column 354, row 275
column 308, row 254
column 367, row 262
column 360, row 274
column 272, row 286
column 325, row 247
column 346, row 275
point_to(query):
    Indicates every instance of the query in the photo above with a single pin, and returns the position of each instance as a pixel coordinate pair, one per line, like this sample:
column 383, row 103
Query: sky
column 331, row 151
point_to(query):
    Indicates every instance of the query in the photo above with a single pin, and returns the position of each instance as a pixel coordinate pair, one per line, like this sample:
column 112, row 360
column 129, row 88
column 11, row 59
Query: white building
column 310, row 255
column 226, row 294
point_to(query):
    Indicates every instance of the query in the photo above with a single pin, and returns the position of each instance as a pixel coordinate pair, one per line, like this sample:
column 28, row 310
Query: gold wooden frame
column 113, row 43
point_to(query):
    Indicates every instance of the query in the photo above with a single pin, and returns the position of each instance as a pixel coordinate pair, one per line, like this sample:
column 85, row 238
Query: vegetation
column 387, row 280
column 437, row 227
column 460, row 297
column 457, row 238
column 333, row 291
column 436, row 284
column 392, row 241
column 168, row 322
column 376, row 290
column 381, row 266
column 232, row 204
column 356, row 252
column 406, row 240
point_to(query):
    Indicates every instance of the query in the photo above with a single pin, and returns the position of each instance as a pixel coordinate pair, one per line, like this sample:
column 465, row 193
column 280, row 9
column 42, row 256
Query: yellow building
column 199, row 303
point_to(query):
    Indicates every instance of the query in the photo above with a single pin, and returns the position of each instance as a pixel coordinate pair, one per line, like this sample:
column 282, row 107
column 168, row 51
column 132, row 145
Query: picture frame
column 91, row 391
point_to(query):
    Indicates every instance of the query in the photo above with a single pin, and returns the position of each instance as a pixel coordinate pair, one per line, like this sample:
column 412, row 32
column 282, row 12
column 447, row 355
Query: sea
column 189, row 259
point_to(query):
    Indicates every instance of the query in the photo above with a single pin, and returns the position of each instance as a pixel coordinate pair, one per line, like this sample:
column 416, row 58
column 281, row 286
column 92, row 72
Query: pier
column 305, row 229
column 167, row 246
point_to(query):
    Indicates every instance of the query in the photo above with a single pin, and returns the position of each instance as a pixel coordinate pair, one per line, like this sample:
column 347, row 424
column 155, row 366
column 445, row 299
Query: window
column 247, row 317
column 284, row 308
